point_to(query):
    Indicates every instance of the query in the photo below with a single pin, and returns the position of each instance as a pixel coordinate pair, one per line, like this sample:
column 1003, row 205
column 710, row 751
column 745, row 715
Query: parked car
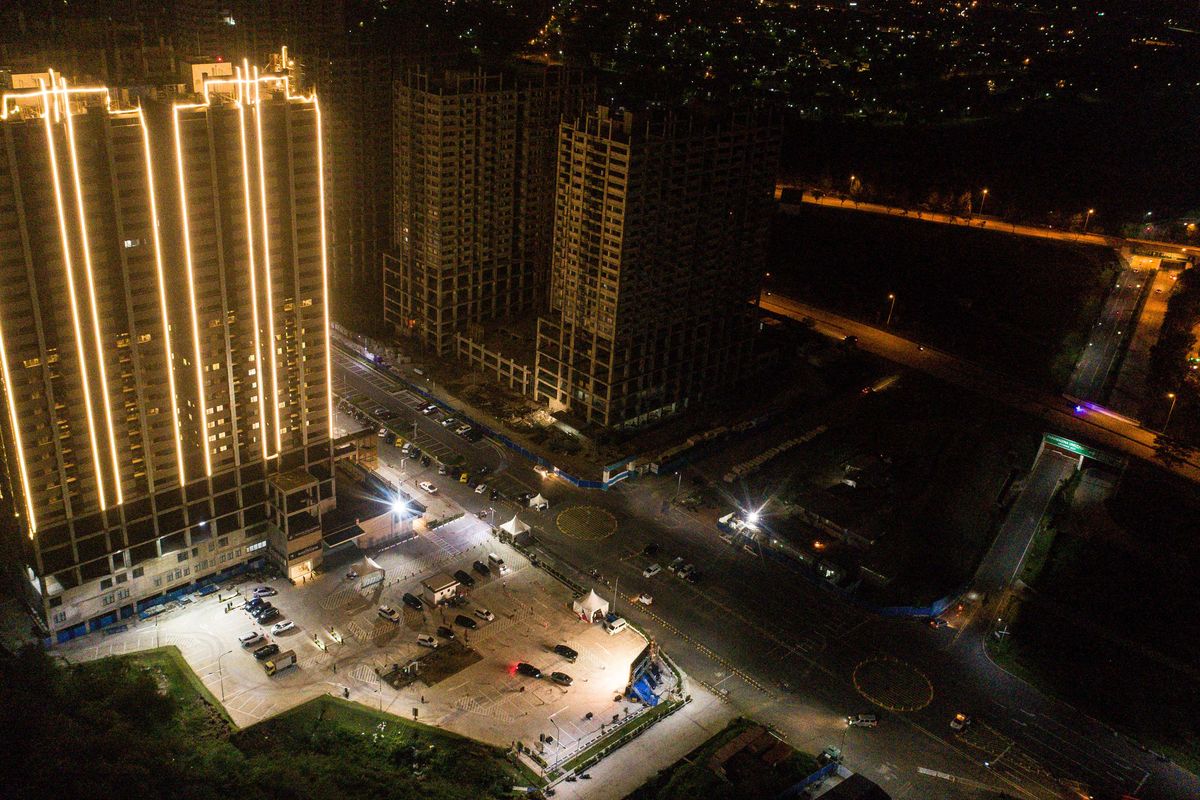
column 426, row 461
column 389, row 613
column 481, row 488
column 694, row 576
column 265, row 591
column 862, row 721
column 650, row 550
column 524, row 497
column 412, row 601
column 462, row 430
column 444, row 632
column 464, row 577
column 529, row 670
column 254, row 603
column 495, row 495
column 253, row 637
column 561, row 678
column 443, row 469
column 484, row 614
column 484, row 470
column 269, row 615
column 282, row 627
column 644, row 599
column 425, row 640
column 466, row 622
column 675, row 566
column 428, row 487
column 566, row 652
column 481, row 568
column 448, row 421
column 429, row 409
column 651, row 571
column 266, row 651
column 960, row 722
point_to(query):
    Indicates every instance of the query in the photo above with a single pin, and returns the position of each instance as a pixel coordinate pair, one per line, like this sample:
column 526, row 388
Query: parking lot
column 487, row 699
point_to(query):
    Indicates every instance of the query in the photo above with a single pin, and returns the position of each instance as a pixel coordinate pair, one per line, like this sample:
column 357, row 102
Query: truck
column 280, row 662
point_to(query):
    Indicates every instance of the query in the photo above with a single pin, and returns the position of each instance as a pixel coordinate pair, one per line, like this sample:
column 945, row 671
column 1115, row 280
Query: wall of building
column 503, row 370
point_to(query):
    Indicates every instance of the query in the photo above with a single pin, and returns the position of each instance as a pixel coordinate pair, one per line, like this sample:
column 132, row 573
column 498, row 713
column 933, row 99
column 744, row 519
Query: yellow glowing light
column 162, row 294
column 66, row 244
column 258, row 360
column 324, row 266
column 91, row 286
column 16, row 430
column 191, row 279
column 262, row 191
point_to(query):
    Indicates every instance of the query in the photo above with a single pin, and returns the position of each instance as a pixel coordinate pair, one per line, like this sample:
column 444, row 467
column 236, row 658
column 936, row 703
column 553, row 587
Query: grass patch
column 146, row 721
column 691, row 778
column 1056, row 515
column 626, row 732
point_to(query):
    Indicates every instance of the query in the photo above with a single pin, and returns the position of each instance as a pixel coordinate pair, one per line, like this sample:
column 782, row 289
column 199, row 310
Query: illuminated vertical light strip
column 162, row 295
column 91, row 287
column 191, row 278
column 258, row 362
column 266, row 243
column 324, row 267
column 47, row 98
column 12, row 418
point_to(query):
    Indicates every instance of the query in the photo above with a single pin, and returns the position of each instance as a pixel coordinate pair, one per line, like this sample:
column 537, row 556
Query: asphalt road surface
column 1087, row 424
column 1090, row 380
column 792, row 653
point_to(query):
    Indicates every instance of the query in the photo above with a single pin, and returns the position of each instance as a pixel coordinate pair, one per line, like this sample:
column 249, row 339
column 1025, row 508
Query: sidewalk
column 659, row 747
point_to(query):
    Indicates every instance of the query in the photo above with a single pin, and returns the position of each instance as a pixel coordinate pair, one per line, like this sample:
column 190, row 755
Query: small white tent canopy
column 514, row 526
column 591, row 606
column 537, row 501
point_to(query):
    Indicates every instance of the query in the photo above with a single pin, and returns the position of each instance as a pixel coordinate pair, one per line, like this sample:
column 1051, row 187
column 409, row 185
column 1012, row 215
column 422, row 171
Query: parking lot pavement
column 487, row 700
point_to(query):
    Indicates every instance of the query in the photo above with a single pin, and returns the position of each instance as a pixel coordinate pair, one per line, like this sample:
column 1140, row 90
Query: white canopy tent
column 514, row 526
column 537, row 501
column 591, row 607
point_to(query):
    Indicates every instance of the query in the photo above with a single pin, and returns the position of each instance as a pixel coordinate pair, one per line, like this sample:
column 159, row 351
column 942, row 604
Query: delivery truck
column 280, row 662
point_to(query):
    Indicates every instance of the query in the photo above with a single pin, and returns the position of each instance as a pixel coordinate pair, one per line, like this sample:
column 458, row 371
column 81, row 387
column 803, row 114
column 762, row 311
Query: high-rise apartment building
column 163, row 341
column 473, row 168
column 660, row 239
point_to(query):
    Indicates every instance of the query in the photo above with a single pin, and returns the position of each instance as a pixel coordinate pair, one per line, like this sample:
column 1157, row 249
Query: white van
column 425, row 640
column 615, row 626
column 497, row 563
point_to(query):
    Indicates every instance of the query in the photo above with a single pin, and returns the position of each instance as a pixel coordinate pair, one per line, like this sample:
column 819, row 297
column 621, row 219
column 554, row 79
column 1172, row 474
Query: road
column 1116, row 324
column 1128, row 395
column 793, row 654
column 995, row 224
column 1090, row 424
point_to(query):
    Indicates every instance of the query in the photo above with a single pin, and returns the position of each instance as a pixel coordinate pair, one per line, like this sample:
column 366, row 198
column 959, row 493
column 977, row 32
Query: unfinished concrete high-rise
column 660, row 243
column 474, row 165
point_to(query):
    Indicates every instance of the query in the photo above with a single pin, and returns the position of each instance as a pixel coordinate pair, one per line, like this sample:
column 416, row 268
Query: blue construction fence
column 203, row 587
column 501, row 438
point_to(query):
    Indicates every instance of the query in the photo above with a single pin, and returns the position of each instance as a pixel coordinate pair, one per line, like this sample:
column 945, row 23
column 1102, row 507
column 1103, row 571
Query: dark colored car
column 266, row 651
column 466, row 622
column 270, row 615
column 472, row 436
column 694, row 576
column 481, row 568
column 495, row 494
column 650, row 549
column 561, row 678
column 254, row 604
column 426, row 461
column 566, row 652
column 412, row 601
column 464, row 577
column 445, row 632
column 529, row 670
column 261, row 608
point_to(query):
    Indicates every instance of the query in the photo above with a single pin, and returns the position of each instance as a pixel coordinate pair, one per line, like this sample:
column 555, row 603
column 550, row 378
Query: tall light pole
column 221, row 672
column 982, row 201
column 1170, row 411
column 891, row 308
column 1088, row 218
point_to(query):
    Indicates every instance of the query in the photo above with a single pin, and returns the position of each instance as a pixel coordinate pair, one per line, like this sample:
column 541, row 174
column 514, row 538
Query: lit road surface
column 993, row 224
column 1116, row 323
column 1109, row 431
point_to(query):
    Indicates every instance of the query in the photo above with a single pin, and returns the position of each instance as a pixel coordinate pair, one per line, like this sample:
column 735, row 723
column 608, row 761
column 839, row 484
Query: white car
column 960, row 722
column 282, row 627
column 462, row 429
column 425, row 640
column 651, row 571
column 481, row 488
column 389, row 613
column 644, row 599
column 484, row 614
column 428, row 487
column 247, row 639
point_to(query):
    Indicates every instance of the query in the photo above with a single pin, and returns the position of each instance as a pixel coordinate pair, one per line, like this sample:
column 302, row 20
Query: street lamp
column 982, row 201
column 221, row 673
column 891, row 308
column 1088, row 218
column 1170, row 411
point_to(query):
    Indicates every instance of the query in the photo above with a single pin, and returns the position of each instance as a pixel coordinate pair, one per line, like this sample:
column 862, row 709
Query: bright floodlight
column 752, row 517
column 400, row 506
